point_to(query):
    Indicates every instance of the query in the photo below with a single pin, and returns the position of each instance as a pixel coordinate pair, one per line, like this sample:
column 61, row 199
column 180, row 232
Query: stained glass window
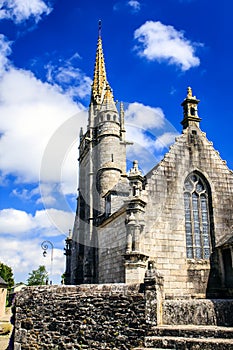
column 197, row 222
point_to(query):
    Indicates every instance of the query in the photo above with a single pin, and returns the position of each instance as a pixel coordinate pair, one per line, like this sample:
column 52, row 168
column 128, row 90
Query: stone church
column 176, row 219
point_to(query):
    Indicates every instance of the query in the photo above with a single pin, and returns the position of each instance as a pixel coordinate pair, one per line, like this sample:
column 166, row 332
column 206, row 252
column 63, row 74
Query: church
column 176, row 219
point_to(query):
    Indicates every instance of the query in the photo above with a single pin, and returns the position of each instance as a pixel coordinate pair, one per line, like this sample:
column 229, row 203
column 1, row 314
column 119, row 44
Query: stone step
column 191, row 331
column 182, row 343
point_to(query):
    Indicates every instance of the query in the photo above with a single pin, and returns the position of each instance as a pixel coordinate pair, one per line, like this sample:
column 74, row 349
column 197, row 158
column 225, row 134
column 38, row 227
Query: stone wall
column 110, row 316
column 112, row 243
column 80, row 317
column 198, row 312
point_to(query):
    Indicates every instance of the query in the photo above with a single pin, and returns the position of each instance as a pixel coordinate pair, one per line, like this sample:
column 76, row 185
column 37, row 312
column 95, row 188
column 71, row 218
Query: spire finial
column 100, row 27
column 189, row 92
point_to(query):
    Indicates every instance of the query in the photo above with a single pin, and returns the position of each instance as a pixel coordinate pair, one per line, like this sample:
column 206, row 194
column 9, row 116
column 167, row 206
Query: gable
column 193, row 152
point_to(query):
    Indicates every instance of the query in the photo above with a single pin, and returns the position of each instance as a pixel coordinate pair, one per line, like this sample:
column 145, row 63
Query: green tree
column 7, row 274
column 38, row 277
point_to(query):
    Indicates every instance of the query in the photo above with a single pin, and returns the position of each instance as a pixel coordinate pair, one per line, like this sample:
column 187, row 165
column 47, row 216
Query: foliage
column 38, row 277
column 7, row 274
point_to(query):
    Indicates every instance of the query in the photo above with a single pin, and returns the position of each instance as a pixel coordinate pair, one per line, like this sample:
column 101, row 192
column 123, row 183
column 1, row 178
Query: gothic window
column 197, row 217
column 108, row 116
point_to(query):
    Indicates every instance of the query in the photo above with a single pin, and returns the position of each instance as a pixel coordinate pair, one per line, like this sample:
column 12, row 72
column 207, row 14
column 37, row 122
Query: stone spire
column 190, row 110
column 101, row 91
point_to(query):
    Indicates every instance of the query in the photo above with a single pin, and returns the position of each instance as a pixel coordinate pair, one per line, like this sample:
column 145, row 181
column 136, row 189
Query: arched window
column 197, row 217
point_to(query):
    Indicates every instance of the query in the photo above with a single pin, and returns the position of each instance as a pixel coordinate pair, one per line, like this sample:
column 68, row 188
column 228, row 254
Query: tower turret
column 190, row 110
column 102, row 164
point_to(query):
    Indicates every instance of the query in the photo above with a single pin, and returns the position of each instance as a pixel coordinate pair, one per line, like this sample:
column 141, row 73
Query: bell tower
column 102, row 164
column 190, row 110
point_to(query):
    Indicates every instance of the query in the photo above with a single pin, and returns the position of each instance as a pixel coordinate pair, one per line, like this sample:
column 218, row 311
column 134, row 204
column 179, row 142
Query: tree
column 38, row 277
column 7, row 274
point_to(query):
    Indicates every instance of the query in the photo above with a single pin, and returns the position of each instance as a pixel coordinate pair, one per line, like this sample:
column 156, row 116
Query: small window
column 193, row 112
column 108, row 116
column 134, row 191
column 194, row 132
column 108, row 205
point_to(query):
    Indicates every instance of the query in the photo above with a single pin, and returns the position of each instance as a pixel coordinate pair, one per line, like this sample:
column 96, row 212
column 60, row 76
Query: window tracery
column 197, row 217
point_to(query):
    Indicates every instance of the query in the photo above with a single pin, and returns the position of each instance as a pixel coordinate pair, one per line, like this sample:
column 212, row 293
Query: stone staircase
column 188, row 337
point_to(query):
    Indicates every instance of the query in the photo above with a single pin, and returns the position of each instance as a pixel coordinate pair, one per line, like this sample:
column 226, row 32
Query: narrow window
column 108, row 205
column 193, row 112
column 197, row 217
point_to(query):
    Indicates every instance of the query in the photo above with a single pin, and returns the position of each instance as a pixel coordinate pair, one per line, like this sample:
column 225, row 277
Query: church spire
column 100, row 85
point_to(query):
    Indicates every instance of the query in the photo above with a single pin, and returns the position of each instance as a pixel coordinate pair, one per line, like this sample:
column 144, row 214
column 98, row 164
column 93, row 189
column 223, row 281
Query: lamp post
column 45, row 245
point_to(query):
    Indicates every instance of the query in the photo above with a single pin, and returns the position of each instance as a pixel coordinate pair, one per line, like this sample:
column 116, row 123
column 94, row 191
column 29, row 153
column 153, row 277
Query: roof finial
column 100, row 27
column 189, row 92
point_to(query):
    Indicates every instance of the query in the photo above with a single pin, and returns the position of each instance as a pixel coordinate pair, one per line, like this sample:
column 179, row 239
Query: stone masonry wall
column 214, row 312
column 80, row 317
column 110, row 316
column 112, row 243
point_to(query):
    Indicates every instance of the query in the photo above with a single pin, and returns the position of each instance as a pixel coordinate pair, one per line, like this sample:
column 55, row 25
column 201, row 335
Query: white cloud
column 144, row 116
column 164, row 43
column 21, row 10
column 165, row 140
column 25, row 194
column 72, row 80
column 15, row 221
column 30, row 113
column 151, row 133
column 5, row 50
column 50, row 222
column 25, row 256
column 135, row 5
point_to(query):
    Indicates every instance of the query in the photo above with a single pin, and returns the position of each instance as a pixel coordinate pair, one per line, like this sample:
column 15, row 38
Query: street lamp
column 45, row 245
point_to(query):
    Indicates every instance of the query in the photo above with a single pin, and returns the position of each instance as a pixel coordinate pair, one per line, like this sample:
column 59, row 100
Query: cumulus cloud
column 5, row 51
column 21, row 235
column 50, row 222
column 150, row 132
column 144, row 116
column 69, row 77
column 30, row 113
column 21, row 10
column 15, row 221
column 164, row 43
column 135, row 5
column 25, row 256
column 165, row 140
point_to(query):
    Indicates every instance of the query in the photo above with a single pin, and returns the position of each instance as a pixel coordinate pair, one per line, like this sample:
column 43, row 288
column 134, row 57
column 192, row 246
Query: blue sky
column 154, row 50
